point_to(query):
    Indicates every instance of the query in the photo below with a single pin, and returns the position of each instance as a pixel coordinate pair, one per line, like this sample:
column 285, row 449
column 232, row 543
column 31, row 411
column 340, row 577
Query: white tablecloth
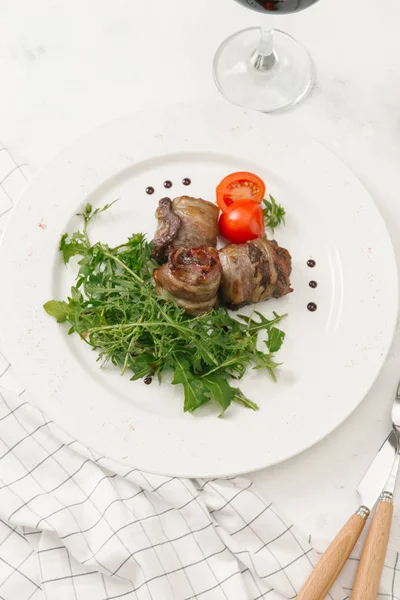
column 65, row 68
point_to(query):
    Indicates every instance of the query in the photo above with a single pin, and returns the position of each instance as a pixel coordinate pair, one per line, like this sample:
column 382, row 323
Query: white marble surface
column 67, row 66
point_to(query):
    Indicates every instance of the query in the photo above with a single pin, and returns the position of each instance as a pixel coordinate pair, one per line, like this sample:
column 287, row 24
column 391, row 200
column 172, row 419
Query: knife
column 369, row 572
column 332, row 561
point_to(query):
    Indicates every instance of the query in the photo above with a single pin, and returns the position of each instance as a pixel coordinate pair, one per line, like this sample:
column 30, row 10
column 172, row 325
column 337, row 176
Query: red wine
column 278, row 6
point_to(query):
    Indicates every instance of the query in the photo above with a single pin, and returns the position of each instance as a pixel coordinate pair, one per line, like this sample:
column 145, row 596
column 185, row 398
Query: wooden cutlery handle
column 370, row 569
column 332, row 561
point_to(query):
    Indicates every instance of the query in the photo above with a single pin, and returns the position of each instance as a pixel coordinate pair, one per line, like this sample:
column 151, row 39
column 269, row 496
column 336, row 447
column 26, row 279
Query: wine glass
column 264, row 69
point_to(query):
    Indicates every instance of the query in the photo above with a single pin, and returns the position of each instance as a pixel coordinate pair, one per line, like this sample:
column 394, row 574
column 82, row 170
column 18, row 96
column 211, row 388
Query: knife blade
column 369, row 489
column 377, row 474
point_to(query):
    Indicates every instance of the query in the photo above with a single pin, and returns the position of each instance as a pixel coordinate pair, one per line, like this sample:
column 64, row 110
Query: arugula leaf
column 195, row 392
column 72, row 247
column 141, row 366
column 274, row 213
column 76, row 295
column 89, row 213
column 240, row 398
column 276, row 338
column 263, row 324
column 219, row 390
column 198, row 390
column 265, row 361
column 58, row 310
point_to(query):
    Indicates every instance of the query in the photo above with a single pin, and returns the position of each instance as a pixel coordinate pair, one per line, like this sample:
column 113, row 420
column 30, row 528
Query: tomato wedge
column 240, row 186
column 242, row 221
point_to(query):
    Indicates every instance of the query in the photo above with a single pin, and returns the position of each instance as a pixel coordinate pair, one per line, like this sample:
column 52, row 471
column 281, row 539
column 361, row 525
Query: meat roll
column 185, row 222
column 253, row 272
column 192, row 276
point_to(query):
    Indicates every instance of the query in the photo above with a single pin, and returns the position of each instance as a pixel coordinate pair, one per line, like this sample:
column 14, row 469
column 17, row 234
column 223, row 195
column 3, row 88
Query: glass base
column 281, row 86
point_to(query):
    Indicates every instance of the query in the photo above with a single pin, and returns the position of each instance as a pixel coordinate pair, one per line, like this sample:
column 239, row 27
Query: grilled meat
column 168, row 226
column 192, row 276
column 253, row 272
column 185, row 223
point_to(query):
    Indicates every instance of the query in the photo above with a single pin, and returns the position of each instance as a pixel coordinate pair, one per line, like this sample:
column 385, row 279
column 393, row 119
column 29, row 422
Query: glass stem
column 263, row 58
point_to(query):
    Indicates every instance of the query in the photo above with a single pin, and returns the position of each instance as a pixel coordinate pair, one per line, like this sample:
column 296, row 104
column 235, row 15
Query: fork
column 369, row 573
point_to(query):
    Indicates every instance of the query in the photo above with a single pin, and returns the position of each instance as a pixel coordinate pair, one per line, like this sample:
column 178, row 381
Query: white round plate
column 330, row 357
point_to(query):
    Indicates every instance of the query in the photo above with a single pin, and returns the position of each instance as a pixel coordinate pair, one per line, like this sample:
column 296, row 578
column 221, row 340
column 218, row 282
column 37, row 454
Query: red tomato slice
column 243, row 220
column 240, row 186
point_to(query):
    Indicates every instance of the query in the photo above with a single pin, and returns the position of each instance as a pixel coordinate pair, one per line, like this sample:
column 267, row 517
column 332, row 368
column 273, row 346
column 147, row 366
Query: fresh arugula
column 113, row 307
column 274, row 213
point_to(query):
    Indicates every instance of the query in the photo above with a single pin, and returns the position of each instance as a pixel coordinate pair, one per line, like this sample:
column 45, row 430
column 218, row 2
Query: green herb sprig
column 113, row 307
column 274, row 213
